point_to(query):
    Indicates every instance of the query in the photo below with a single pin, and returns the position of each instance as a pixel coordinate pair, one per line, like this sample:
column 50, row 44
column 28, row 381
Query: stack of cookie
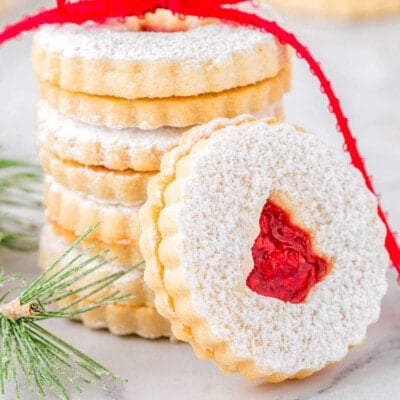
column 114, row 99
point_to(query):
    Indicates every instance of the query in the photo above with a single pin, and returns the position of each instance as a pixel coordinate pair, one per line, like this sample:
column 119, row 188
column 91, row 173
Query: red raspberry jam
column 285, row 266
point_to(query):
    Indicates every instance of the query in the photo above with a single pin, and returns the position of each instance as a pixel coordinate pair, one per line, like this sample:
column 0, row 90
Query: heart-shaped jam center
column 285, row 266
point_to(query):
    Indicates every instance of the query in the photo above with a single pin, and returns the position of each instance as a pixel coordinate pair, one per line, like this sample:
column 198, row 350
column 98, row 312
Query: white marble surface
column 363, row 62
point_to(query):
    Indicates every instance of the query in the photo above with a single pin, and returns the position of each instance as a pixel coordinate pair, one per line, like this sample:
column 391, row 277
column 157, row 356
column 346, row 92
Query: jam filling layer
column 285, row 266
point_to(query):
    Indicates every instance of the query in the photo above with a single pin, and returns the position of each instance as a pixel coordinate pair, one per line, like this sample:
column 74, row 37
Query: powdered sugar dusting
column 231, row 177
column 214, row 43
column 134, row 139
column 69, row 139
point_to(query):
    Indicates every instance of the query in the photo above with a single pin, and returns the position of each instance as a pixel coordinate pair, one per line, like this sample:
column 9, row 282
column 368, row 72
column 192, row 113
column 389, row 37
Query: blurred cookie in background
column 339, row 8
column 10, row 9
column 4, row 6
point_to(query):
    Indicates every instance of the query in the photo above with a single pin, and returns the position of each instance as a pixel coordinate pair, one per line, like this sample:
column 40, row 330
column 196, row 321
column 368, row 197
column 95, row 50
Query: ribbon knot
column 131, row 7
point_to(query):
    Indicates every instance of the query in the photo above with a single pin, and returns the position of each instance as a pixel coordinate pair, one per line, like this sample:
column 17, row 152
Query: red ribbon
column 99, row 10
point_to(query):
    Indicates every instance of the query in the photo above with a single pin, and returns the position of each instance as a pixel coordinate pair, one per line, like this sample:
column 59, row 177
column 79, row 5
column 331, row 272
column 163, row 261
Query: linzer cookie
column 264, row 248
column 340, row 8
column 76, row 212
column 124, row 187
column 146, row 113
column 137, row 315
column 156, row 56
column 124, row 254
column 115, row 149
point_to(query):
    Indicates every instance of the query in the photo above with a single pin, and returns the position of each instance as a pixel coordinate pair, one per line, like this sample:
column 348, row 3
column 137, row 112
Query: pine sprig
column 19, row 189
column 46, row 362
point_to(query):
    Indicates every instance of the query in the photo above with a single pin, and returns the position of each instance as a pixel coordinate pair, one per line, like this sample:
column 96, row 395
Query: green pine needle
column 19, row 189
column 47, row 363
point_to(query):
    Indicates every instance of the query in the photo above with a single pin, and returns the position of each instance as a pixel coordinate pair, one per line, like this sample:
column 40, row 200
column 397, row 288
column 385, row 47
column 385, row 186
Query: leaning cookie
column 264, row 248
column 146, row 113
column 156, row 56
column 340, row 8
column 136, row 315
